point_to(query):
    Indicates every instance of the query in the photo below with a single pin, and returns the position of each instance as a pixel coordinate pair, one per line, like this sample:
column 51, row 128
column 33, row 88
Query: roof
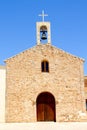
column 2, row 67
column 45, row 45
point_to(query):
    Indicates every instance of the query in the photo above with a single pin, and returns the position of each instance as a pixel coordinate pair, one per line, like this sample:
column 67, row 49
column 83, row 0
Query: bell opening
column 43, row 34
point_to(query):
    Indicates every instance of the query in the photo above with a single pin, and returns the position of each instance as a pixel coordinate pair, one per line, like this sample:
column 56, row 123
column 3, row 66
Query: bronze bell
column 44, row 37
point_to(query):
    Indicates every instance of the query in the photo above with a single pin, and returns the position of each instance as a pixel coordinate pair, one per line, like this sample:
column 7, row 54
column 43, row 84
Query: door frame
column 38, row 101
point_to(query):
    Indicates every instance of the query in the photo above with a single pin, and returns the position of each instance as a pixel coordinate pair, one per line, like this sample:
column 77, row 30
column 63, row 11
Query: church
column 43, row 84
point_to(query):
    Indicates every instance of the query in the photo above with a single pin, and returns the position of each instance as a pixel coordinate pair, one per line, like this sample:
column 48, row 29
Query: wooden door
column 45, row 107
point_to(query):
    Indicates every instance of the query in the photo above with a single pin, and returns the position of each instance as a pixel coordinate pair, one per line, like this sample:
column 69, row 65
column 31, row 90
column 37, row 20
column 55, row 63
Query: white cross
column 43, row 15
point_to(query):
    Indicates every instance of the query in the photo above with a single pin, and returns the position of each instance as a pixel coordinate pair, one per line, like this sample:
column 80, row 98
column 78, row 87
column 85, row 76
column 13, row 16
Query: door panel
column 45, row 107
column 40, row 112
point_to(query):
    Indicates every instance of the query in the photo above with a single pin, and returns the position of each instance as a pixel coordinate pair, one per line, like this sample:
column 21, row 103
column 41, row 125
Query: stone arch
column 43, row 28
column 45, row 106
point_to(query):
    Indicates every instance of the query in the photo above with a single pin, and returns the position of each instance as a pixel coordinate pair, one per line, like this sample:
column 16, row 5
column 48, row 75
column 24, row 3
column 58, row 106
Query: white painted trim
column 2, row 93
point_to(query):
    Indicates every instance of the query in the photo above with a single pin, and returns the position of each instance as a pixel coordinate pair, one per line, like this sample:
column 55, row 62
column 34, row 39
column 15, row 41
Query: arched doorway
column 46, row 107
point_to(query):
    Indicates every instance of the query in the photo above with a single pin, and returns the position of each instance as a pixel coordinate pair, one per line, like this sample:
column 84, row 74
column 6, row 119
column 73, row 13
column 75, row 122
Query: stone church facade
column 44, row 83
column 25, row 81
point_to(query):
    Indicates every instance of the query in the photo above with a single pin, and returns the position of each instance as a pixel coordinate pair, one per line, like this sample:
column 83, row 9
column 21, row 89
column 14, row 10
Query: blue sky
column 18, row 26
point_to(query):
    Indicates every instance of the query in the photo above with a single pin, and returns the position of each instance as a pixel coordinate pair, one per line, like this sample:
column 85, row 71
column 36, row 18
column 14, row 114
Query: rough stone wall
column 25, row 82
column 85, row 88
column 85, row 84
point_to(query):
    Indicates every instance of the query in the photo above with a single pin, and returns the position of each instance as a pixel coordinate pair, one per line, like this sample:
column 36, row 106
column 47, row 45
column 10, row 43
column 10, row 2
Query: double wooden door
column 46, row 107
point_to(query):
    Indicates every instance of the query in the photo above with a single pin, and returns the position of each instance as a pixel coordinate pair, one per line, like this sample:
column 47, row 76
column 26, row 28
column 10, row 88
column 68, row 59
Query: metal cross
column 43, row 15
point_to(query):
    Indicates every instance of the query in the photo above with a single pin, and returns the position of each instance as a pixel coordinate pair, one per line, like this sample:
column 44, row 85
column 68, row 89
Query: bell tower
column 43, row 31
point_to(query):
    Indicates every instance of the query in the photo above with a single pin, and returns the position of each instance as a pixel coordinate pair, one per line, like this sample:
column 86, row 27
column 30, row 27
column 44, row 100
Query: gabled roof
column 43, row 46
column 2, row 67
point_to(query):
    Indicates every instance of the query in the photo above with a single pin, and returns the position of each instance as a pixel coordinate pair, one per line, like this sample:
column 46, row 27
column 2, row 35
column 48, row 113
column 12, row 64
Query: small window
column 86, row 104
column 45, row 66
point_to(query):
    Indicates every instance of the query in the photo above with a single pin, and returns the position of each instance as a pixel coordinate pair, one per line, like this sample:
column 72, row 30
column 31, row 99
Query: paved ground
column 43, row 126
